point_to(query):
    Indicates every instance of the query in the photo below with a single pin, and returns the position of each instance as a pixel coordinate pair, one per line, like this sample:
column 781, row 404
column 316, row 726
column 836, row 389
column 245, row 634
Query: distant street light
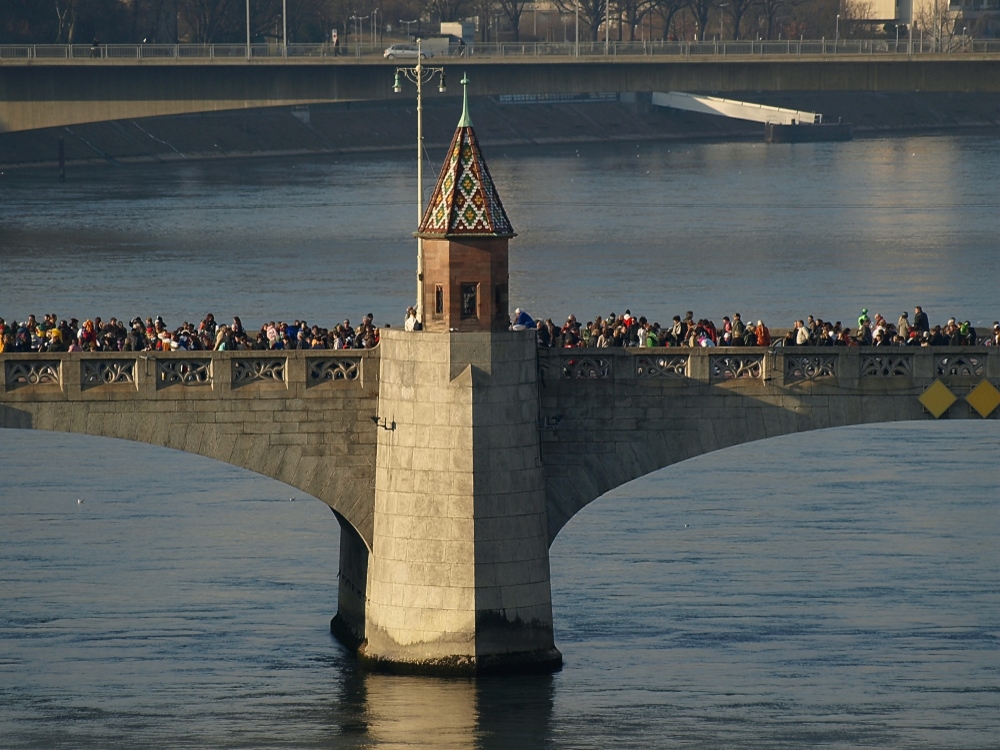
column 577, row 48
column 357, row 34
column 607, row 26
column 722, row 20
column 248, row 29
column 284, row 28
column 836, row 39
column 417, row 75
column 408, row 24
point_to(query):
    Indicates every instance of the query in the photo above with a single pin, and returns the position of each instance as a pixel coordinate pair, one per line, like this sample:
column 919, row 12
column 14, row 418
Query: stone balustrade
column 842, row 367
column 186, row 375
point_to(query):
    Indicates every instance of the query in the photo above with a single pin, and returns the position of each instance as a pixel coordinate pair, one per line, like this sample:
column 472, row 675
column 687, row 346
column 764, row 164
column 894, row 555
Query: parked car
column 404, row 51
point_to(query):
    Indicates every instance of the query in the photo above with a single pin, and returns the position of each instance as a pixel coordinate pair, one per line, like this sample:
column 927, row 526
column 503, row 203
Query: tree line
column 222, row 21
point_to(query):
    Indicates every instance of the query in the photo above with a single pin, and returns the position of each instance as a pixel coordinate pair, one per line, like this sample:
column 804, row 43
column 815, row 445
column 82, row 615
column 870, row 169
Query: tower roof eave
column 463, row 235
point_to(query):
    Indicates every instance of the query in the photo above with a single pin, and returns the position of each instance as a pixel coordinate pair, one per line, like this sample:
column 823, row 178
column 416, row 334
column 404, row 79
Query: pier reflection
column 390, row 711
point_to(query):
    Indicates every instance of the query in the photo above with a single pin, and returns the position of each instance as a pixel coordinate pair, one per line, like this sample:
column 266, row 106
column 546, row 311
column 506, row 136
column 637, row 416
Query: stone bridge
column 452, row 460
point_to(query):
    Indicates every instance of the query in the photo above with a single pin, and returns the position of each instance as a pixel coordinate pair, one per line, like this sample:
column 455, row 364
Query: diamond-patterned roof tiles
column 465, row 200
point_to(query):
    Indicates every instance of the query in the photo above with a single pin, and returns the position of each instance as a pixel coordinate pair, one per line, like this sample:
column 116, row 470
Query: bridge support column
column 458, row 576
column 349, row 624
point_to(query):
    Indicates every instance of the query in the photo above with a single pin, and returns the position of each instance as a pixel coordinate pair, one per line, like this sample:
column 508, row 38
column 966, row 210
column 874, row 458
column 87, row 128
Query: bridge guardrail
column 883, row 368
column 588, row 50
column 192, row 374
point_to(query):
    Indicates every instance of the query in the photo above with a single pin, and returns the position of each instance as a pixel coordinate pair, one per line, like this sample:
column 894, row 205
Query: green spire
column 466, row 121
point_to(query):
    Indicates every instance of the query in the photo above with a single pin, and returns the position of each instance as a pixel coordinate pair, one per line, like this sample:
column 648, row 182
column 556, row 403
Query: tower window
column 438, row 300
column 470, row 300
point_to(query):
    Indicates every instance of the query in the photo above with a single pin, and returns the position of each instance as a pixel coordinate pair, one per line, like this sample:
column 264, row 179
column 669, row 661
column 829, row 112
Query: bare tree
column 634, row 12
column 592, row 13
column 448, row 10
column 513, row 9
column 770, row 10
column 738, row 9
column 932, row 18
column 66, row 13
column 667, row 10
column 208, row 21
column 700, row 11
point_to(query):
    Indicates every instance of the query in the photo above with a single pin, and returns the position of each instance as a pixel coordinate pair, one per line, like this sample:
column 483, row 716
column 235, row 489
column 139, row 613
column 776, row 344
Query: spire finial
column 466, row 121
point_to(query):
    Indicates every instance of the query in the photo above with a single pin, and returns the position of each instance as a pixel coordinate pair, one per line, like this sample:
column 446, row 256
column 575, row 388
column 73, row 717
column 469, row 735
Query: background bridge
column 47, row 87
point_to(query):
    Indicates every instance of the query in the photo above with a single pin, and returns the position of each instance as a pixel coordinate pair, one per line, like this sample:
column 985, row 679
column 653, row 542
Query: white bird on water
column 79, row 501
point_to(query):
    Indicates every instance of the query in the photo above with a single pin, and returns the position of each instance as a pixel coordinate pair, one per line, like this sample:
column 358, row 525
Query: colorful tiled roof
column 465, row 201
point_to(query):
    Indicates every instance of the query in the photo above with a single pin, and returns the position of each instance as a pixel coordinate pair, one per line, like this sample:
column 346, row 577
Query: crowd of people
column 629, row 330
column 152, row 334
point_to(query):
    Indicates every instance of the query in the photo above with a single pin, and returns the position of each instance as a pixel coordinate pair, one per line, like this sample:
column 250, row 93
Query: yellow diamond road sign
column 984, row 398
column 937, row 398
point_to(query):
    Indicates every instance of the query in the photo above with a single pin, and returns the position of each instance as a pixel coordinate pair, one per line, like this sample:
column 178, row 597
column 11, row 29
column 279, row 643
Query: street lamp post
column 417, row 75
column 836, row 37
column 607, row 27
column 375, row 27
column 284, row 28
column 722, row 20
column 358, row 20
column 408, row 24
column 577, row 47
column 248, row 29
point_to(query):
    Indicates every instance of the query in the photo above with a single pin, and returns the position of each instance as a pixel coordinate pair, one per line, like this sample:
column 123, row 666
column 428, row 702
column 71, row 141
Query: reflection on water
column 423, row 712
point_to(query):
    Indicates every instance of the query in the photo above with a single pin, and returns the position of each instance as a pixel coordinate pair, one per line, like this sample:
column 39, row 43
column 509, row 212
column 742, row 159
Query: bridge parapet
column 878, row 368
column 608, row 416
column 43, row 376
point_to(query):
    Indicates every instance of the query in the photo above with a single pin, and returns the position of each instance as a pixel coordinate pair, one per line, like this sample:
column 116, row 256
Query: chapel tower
column 465, row 232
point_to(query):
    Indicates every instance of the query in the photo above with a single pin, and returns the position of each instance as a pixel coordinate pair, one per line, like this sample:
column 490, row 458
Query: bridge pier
column 458, row 573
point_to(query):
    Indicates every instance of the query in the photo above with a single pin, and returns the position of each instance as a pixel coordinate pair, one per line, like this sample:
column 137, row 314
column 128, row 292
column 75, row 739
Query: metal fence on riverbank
column 230, row 53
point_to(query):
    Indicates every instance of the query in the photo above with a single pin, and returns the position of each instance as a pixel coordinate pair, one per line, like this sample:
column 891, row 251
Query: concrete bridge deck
column 40, row 92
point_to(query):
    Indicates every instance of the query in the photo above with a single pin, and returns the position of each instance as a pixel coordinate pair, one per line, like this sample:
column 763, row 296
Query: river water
column 839, row 588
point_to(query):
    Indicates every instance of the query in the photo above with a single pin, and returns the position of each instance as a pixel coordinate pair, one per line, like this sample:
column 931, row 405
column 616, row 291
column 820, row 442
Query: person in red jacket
column 763, row 335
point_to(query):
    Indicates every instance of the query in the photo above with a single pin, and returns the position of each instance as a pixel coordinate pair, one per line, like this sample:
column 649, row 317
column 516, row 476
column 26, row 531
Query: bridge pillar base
column 523, row 662
column 458, row 575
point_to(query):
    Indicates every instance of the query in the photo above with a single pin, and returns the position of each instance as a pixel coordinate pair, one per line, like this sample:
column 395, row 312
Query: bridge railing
column 878, row 368
column 52, row 375
column 588, row 50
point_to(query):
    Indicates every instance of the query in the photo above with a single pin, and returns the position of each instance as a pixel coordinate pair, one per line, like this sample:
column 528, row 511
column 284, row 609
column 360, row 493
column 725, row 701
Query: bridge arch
column 303, row 418
column 610, row 416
